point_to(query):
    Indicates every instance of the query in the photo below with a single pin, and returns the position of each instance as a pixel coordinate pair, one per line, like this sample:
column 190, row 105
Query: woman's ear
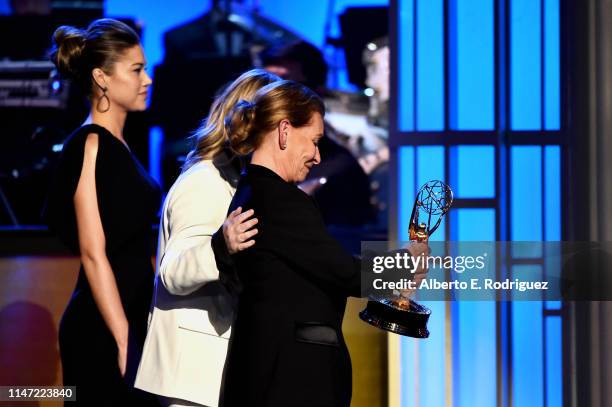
column 283, row 132
column 99, row 78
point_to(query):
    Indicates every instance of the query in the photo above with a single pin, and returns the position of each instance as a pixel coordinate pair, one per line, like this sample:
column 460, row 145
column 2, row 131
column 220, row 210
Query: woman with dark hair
column 102, row 205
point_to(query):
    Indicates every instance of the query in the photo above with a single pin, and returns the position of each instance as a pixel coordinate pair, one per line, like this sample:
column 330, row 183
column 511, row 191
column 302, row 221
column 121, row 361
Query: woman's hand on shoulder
column 238, row 230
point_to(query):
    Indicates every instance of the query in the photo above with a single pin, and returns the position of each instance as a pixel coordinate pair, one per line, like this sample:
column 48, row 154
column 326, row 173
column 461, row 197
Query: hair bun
column 68, row 46
column 239, row 126
column 248, row 110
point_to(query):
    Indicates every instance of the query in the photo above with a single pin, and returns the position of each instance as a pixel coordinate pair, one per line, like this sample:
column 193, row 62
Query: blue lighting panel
column 432, row 353
column 471, row 67
column 552, row 210
column 474, row 337
column 423, row 363
column 475, row 171
column 526, row 195
column 156, row 140
column 475, row 224
column 527, row 347
column 474, row 354
column 430, row 65
column 406, row 189
column 552, row 83
column 405, row 72
column 409, row 376
column 440, row 234
column 552, row 192
column 554, row 366
column 525, row 60
column 430, row 164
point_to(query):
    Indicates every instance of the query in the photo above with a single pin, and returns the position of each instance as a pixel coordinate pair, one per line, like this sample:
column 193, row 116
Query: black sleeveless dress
column 128, row 201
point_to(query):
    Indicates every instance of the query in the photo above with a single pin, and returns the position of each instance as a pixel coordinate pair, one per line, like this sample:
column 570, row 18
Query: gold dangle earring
column 104, row 96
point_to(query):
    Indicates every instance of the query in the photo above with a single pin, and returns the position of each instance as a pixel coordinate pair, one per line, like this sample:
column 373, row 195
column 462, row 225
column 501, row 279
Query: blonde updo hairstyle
column 211, row 137
column 76, row 53
column 249, row 122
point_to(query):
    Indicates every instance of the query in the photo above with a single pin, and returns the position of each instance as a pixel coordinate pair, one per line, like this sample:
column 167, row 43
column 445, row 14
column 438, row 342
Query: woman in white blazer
column 193, row 301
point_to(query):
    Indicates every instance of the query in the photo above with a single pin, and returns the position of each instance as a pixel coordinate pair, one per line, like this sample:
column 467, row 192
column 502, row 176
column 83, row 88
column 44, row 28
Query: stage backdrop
column 477, row 103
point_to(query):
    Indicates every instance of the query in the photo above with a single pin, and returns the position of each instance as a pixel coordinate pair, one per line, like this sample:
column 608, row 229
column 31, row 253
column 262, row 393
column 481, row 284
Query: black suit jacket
column 287, row 347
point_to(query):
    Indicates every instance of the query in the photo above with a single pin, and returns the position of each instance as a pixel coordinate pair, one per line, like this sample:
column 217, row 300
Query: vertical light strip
column 552, row 83
column 407, row 390
column 475, row 340
column 430, row 65
column 552, row 121
column 552, row 325
column 406, row 188
column 410, row 368
column 527, row 316
column 526, row 197
column 401, row 377
column 525, row 62
column 422, row 361
column 405, row 74
column 431, row 352
column 554, row 366
column 448, row 352
column 552, row 217
column 552, row 193
column 527, row 345
column 156, row 139
column 472, row 65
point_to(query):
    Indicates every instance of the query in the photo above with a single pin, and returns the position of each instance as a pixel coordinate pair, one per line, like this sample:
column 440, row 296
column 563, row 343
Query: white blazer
column 192, row 312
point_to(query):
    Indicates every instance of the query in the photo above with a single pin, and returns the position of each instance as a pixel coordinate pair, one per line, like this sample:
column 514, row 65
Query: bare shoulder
column 91, row 145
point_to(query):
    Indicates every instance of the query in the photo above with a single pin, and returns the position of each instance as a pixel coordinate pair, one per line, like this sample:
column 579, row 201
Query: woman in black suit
column 287, row 347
